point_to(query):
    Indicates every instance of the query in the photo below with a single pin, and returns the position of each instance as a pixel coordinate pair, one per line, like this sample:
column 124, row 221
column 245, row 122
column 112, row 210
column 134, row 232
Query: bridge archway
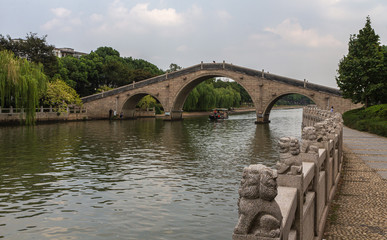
column 183, row 92
column 269, row 107
column 128, row 107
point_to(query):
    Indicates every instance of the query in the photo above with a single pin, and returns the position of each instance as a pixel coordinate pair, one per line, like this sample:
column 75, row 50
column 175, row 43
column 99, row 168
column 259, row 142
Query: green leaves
column 206, row 96
column 22, row 83
column 362, row 73
column 104, row 67
column 60, row 96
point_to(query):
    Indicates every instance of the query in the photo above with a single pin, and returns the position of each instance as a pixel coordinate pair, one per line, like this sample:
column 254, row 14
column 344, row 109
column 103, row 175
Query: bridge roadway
column 172, row 89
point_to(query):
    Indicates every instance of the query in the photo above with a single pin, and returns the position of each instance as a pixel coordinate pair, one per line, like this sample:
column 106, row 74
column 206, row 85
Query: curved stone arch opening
column 268, row 108
column 183, row 92
column 128, row 107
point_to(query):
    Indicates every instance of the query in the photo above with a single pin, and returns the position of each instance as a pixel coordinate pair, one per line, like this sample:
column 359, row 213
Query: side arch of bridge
column 172, row 89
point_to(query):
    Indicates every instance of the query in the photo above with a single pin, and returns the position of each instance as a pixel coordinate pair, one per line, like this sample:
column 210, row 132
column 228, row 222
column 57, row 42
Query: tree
column 60, row 96
column 34, row 49
column 147, row 102
column 173, row 67
column 362, row 73
column 22, row 84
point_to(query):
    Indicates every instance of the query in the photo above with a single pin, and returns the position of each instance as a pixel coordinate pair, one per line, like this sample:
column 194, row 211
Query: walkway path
column 359, row 209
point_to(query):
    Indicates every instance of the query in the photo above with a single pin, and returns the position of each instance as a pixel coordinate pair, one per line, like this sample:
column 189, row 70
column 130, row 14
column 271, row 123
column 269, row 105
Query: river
column 134, row 179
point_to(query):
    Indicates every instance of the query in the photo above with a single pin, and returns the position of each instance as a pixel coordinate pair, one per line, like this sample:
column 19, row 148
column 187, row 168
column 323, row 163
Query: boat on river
column 219, row 114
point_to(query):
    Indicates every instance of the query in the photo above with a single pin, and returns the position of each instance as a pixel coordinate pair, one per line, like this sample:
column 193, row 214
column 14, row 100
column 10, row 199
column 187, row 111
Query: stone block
column 335, row 165
column 287, row 200
column 329, row 177
column 308, row 217
column 309, row 173
column 320, row 199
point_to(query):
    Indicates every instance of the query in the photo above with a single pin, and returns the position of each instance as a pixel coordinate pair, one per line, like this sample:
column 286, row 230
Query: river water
column 137, row 179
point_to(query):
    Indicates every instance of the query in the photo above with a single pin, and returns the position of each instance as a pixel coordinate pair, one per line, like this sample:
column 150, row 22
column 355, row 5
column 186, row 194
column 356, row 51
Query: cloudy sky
column 302, row 39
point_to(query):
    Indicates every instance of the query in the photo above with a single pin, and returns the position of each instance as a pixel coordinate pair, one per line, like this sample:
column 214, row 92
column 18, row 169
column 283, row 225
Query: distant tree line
column 294, row 99
column 101, row 69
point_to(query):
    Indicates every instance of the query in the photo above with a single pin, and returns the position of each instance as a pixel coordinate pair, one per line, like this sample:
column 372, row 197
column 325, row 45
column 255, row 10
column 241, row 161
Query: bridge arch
column 274, row 99
column 183, row 92
column 128, row 107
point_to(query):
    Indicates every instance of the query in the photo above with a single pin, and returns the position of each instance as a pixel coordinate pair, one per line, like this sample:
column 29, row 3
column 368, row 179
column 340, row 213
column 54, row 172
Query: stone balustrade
column 305, row 183
column 14, row 115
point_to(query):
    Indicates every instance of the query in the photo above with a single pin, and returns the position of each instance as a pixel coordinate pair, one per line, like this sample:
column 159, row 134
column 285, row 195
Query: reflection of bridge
column 172, row 89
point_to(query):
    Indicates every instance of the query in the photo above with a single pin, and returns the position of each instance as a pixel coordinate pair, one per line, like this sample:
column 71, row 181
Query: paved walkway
column 359, row 209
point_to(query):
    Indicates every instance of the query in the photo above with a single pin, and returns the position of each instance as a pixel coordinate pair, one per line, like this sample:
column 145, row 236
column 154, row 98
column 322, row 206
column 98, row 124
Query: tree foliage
column 34, row 49
column 22, row 83
column 103, row 67
column 60, row 96
column 147, row 102
column 294, row 99
column 210, row 94
column 362, row 75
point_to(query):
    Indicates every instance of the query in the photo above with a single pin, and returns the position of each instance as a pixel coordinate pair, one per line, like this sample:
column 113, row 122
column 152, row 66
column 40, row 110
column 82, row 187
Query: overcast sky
column 302, row 39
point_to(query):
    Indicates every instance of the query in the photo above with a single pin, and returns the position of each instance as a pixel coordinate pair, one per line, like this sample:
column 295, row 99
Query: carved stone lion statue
column 259, row 213
column 309, row 140
column 289, row 162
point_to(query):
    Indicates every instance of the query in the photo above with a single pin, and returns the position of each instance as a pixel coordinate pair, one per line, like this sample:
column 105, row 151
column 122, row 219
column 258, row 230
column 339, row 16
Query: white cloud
column 61, row 12
column 63, row 21
column 290, row 30
column 158, row 17
column 182, row 48
column 223, row 15
column 96, row 17
column 50, row 24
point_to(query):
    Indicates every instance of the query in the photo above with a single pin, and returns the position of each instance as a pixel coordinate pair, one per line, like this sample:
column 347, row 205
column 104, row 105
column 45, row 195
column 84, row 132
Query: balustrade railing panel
column 310, row 167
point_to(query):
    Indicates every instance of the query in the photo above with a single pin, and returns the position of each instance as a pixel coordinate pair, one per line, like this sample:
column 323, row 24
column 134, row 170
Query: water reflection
column 143, row 179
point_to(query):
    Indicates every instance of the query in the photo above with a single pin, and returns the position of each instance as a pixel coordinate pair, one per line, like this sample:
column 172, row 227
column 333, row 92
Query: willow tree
column 22, row 83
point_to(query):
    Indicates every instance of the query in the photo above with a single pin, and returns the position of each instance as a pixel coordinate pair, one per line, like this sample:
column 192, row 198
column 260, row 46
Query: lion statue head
column 258, row 181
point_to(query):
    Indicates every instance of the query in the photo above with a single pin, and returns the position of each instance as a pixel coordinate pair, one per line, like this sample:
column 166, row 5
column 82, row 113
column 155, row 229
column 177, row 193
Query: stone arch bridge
column 172, row 89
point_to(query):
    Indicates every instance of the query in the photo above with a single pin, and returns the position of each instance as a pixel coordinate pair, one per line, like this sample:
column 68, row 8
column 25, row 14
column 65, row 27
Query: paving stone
column 359, row 208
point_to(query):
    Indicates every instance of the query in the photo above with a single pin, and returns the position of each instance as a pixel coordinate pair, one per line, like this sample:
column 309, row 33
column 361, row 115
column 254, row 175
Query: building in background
column 63, row 52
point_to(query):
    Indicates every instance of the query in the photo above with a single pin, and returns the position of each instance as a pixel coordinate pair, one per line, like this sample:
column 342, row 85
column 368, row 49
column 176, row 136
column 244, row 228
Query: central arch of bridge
column 184, row 91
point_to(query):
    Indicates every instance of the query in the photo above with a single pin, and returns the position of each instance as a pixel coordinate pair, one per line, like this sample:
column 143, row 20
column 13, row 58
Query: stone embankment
column 307, row 176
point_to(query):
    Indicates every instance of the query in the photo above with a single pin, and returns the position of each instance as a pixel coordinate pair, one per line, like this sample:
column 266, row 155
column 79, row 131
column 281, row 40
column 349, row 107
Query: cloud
column 157, row 17
column 182, row 48
column 223, row 15
column 62, row 21
column 291, row 31
column 61, row 12
column 96, row 17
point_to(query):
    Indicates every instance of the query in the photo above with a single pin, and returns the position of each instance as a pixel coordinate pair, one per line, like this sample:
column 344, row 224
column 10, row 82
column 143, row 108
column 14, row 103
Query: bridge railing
column 307, row 177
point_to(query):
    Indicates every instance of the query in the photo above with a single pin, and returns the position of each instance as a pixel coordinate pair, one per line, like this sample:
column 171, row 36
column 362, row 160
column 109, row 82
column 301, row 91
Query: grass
column 372, row 119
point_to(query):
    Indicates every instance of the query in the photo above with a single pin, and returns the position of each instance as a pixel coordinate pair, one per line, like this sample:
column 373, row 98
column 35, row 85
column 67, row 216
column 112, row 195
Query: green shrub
column 372, row 119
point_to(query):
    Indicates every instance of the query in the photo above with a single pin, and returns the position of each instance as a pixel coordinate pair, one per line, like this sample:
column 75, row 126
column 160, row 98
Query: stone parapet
column 307, row 178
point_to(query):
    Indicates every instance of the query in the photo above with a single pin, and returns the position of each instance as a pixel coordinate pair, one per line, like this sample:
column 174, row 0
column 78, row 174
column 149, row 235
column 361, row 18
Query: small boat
column 219, row 114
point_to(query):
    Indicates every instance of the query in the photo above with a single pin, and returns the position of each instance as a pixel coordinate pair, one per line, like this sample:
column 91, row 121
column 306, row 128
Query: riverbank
column 234, row 111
